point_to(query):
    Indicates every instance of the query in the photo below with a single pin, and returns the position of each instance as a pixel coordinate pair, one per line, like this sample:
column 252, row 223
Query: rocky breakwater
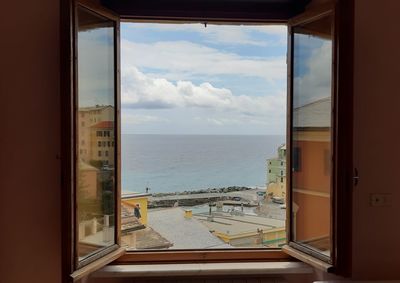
column 195, row 197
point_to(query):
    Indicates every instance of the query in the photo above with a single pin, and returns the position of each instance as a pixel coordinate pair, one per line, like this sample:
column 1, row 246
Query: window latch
column 355, row 177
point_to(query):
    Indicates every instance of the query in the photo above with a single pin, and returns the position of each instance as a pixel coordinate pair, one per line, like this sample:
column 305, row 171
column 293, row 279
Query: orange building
column 311, row 169
column 87, row 117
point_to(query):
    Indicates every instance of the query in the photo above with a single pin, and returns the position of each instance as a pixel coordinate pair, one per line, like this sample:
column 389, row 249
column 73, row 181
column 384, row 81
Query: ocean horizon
column 177, row 163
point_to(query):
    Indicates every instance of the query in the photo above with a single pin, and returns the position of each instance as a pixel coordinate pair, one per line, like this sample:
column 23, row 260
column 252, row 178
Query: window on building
column 296, row 163
column 99, row 133
column 99, row 143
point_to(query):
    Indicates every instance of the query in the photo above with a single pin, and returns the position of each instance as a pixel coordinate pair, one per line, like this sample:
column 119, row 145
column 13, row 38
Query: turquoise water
column 175, row 163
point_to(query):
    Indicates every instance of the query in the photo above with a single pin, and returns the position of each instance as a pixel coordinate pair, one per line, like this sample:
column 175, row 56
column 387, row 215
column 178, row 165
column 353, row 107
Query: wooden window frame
column 341, row 202
column 339, row 262
column 72, row 268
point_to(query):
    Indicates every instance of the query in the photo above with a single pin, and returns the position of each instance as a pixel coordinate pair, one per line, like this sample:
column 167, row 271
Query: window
column 98, row 207
column 296, row 159
column 202, row 154
column 95, row 183
column 312, row 134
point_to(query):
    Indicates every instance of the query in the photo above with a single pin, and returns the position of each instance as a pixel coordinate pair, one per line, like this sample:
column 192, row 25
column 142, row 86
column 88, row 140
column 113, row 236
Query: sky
column 192, row 79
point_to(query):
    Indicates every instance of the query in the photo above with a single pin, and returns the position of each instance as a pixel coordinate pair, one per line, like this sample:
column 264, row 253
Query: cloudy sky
column 191, row 79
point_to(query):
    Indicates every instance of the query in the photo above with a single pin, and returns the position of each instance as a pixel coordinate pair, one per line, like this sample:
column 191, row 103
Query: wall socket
column 380, row 199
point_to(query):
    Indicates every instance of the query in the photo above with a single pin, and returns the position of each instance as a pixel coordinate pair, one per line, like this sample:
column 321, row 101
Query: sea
column 177, row 163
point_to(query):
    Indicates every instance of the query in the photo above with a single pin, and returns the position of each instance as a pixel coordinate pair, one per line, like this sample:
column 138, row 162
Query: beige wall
column 30, row 241
column 29, row 84
column 376, row 230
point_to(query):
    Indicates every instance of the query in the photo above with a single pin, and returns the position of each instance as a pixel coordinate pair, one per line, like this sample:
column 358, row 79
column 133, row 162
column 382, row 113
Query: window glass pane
column 95, row 181
column 311, row 135
column 203, row 136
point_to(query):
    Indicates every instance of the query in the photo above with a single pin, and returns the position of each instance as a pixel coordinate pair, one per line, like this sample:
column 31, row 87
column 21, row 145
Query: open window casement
column 95, row 131
column 318, row 121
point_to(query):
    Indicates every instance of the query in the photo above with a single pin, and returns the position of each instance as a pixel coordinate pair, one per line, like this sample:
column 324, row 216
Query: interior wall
column 376, row 230
column 30, row 211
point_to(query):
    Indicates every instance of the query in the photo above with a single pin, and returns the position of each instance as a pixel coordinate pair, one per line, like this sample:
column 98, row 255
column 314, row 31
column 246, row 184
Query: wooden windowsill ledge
column 203, row 269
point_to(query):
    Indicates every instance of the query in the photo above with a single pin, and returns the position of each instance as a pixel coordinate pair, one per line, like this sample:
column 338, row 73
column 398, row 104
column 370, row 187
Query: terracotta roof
column 104, row 125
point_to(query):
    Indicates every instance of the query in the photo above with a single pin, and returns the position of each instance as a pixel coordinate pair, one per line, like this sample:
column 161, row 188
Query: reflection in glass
column 95, row 181
column 311, row 135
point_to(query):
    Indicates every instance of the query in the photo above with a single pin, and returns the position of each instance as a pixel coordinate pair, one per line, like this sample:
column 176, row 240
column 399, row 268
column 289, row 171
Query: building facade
column 276, row 174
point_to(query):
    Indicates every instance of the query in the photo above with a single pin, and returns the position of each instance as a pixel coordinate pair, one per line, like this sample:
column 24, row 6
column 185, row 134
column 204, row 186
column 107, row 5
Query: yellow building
column 245, row 230
column 278, row 188
column 88, row 180
column 130, row 200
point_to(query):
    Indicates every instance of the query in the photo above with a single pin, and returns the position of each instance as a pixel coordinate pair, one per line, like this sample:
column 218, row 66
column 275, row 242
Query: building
column 88, row 117
column 130, row 200
column 135, row 233
column 240, row 230
column 32, row 169
column 276, row 174
column 102, row 143
column 311, row 188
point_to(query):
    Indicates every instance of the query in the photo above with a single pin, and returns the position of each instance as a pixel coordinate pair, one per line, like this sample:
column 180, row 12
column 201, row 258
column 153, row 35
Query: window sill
column 203, row 269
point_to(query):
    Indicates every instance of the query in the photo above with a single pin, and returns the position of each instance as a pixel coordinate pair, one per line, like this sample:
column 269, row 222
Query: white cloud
column 187, row 59
column 142, row 92
column 137, row 119
column 316, row 82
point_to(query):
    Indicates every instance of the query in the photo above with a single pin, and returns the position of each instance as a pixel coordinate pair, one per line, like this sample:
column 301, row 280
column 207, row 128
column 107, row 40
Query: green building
column 276, row 174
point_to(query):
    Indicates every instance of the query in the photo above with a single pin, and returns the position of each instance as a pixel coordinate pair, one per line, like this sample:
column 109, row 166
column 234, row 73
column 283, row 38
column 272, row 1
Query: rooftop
column 182, row 232
column 316, row 114
column 104, row 125
column 134, row 195
column 236, row 225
